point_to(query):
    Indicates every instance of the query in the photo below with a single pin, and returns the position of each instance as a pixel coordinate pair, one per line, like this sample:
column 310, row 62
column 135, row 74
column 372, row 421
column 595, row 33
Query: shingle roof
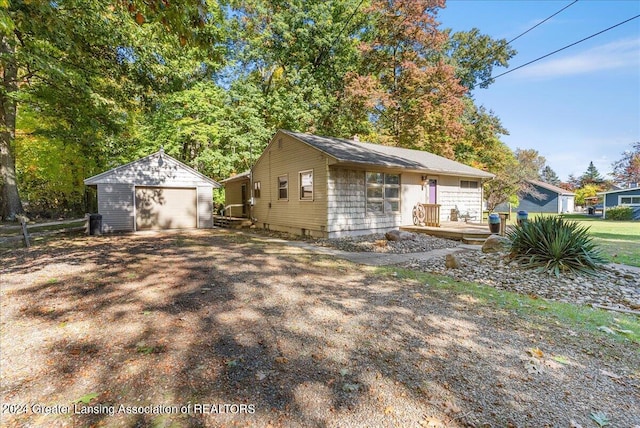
column 100, row 178
column 556, row 189
column 240, row 176
column 628, row 189
column 355, row 152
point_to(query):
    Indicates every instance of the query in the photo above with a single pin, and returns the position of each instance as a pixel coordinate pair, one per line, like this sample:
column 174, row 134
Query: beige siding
column 115, row 204
column 451, row 196
column 412, row 193
column 233, row 196
column 287, row 156
column 205, row 207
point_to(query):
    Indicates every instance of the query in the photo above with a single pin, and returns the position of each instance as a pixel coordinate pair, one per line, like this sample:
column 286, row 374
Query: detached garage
column 155, row 192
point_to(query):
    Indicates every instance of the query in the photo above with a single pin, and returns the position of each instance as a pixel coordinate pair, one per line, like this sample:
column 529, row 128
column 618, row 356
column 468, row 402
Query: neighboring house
column 547, row 199
column 238, row 195
column 622, row 198
column 155, row 192
column 329, row 187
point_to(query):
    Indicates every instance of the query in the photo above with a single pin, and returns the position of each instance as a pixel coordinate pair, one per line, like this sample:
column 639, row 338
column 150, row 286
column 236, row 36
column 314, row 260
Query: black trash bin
column 95, row 224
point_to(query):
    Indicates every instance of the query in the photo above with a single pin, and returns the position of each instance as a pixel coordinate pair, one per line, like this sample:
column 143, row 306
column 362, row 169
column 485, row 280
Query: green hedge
column 619, row 213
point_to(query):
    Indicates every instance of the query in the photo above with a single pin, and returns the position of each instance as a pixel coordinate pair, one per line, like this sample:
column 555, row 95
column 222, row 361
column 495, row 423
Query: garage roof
column 157, row 169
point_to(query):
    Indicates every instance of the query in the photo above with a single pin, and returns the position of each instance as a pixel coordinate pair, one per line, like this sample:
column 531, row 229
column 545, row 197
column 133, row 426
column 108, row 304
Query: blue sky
column 577, row 106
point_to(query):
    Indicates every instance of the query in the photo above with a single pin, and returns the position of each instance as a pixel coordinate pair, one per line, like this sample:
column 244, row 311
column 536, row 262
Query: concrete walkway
column 380, row 259
column 391, row 259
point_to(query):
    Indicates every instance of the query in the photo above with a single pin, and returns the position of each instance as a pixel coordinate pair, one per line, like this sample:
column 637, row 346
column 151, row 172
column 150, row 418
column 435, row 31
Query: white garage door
column 165, row 208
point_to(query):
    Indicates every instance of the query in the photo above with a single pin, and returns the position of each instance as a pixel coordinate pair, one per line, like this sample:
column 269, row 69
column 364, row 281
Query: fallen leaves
column 536, row 352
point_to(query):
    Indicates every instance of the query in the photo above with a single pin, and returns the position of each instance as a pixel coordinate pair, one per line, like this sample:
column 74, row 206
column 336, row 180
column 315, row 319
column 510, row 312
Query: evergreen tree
column 549, row 176
column 591, row 176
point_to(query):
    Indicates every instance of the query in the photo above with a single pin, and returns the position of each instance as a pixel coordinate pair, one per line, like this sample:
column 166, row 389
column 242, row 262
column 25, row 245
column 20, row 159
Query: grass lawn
column 619, row 240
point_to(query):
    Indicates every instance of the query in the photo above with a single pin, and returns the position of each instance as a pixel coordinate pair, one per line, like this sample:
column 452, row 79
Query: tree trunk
column 10, row 204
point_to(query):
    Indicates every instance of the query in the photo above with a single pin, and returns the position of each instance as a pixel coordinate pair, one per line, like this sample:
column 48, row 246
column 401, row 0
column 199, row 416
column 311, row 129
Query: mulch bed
column 215, row 328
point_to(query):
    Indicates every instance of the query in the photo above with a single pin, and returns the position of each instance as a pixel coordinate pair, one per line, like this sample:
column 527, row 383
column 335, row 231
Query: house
column 155, row 192
column 329, row 187
column 546, row 199
column 622, row 198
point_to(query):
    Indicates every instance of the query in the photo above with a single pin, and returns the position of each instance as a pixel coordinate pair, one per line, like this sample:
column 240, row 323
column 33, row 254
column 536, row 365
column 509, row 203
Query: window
column 629, row 200
column 256, row 189
column 306, row 185
column 468, row 184
column 283, row 187
column 383, row 192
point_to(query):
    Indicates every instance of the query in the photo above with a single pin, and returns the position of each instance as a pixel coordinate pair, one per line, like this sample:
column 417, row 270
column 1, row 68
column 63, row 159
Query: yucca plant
column 551, row 244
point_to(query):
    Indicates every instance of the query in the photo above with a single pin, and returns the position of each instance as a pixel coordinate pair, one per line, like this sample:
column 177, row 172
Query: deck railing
column 432, row 215
column 426, row 215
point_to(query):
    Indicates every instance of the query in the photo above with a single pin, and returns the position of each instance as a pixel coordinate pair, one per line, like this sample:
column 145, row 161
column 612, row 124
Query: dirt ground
column 216, row 328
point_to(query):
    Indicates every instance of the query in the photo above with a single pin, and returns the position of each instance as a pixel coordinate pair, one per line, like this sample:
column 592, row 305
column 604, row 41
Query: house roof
column 355, row 152
column 122, row 169
column 556, row 189
column 628, row 189
column 240, row 176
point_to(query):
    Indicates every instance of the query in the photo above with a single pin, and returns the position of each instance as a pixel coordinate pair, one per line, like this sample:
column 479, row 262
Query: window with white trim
column 256, row 189
column 628, row 200
column 468, row 184
column 383, row 192
column 283, row 187
column 306, row 185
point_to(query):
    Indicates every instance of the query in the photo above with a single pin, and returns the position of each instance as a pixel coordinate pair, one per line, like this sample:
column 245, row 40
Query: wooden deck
column 231, row 222
column 469, row 233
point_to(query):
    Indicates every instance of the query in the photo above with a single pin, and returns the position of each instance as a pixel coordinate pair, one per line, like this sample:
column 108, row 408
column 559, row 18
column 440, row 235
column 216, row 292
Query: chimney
column 356, row 138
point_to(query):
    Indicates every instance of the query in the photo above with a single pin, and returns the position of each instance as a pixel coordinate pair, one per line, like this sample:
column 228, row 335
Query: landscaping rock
column 452, row 261
column 399, row 235
column 496, row 244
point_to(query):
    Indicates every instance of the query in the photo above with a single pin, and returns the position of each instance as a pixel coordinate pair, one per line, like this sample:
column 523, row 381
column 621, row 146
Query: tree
column 474, row 55
column 548, row 175
column 412, row 96
column 297, row 53
column 587, row 191
column 591, row 176
column 81, row 66
column 626, row 170
column 530, row 162
column 505, row 186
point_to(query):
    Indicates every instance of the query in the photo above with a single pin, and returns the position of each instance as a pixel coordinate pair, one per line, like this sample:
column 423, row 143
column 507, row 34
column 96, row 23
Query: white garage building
column 155, row 192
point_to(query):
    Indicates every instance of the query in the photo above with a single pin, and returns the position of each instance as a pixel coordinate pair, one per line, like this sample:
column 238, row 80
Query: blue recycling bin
column 522, row 217
column 494, row 223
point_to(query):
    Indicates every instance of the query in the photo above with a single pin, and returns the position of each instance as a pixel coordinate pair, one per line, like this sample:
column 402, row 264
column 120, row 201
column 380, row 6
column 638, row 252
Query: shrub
column 554, row 245
column 620, row 213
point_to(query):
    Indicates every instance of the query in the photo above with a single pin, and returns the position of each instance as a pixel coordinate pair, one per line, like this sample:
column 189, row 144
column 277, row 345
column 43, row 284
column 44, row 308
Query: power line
column 561, row 49
column 541, row 22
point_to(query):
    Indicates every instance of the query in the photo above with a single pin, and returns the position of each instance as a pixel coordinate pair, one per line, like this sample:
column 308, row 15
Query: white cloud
column 620, row 54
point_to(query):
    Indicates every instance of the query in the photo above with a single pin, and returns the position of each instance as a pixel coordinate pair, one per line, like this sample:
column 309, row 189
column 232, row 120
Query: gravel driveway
column 215, row 328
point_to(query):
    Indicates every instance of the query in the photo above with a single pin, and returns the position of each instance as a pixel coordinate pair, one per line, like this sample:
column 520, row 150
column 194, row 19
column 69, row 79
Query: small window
column 468, row 184
column 256, row 189
column 306, row 185
column 283, row 187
